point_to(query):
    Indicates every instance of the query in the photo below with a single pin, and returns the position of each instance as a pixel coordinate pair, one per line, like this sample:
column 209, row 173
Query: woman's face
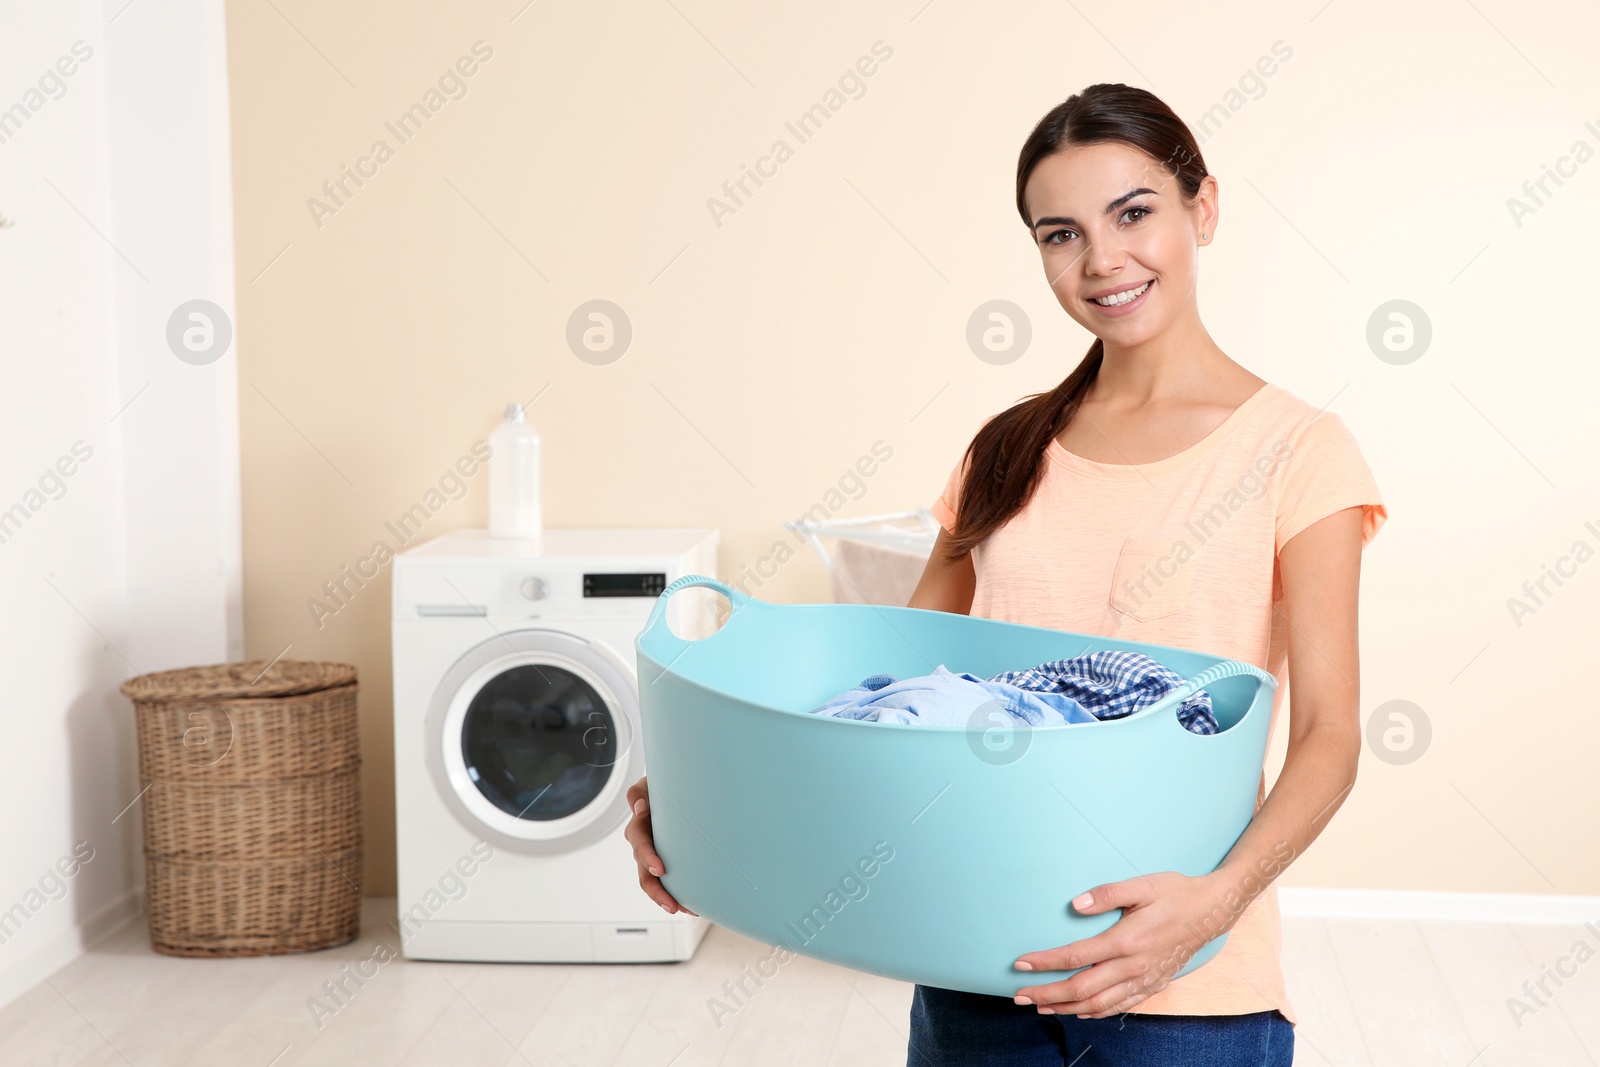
column 1110, row 221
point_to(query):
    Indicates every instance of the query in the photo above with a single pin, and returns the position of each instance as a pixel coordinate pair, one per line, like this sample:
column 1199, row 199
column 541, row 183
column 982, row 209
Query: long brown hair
column 1006, row 457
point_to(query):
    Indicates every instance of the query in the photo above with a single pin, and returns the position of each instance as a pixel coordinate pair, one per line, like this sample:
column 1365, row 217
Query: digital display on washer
column 641, row 584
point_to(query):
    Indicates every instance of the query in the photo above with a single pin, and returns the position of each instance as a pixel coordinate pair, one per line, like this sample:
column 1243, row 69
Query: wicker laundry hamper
column 251, row 806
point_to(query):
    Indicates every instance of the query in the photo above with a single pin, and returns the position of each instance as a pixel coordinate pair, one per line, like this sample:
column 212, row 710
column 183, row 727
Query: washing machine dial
column 535, row 588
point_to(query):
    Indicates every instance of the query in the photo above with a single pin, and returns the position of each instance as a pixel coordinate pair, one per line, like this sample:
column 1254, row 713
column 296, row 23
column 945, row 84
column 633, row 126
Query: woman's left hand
column 1164, row 922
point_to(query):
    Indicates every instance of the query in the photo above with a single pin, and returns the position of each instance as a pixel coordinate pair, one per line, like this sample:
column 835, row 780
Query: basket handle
column 1228, row 668
column 660, row 634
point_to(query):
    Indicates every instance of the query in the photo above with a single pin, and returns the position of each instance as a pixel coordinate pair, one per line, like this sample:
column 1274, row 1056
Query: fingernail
column 1023, row 965
column 638, row 806
column 656, row 871
column 1020, row 999
column 1046, row 1011
column 1086, row 900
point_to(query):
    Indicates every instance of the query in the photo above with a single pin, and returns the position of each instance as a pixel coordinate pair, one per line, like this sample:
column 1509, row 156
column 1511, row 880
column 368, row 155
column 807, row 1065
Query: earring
column 1204, row 236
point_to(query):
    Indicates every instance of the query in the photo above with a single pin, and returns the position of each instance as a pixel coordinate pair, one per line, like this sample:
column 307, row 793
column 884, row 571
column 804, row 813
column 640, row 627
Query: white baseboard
column 1437, row 906
column 23, row 974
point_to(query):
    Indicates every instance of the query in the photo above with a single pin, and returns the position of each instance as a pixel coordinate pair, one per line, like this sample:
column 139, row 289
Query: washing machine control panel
column 579, row 588
column 532, row 589
column 646, row 584
column 640, row 583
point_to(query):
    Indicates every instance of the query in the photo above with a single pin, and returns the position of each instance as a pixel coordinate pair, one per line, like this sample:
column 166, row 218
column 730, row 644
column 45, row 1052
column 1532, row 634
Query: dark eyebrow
column 1067, row 220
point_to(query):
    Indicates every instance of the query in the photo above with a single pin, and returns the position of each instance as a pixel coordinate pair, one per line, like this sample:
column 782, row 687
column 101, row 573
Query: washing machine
column 516, row 736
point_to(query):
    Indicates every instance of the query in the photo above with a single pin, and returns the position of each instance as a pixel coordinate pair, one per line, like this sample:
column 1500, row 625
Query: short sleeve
column 944, row 509
column 1323, row 474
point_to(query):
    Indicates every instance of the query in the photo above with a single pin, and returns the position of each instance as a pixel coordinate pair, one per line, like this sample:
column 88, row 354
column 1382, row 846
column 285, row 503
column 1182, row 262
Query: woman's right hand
column 639, row 836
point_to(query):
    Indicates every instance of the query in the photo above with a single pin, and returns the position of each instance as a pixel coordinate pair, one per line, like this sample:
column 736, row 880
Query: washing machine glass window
column 533, row 740
column 539, row 742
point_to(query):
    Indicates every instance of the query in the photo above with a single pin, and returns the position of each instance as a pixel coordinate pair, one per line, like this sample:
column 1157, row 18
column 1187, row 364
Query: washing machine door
column 532, row 741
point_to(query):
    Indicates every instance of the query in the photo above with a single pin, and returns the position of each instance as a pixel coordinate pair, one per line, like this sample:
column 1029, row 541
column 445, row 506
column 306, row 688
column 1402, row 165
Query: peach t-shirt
column 1183, row 552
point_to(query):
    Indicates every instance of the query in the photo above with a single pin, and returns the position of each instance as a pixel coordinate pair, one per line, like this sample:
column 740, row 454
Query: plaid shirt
column 1115, row 683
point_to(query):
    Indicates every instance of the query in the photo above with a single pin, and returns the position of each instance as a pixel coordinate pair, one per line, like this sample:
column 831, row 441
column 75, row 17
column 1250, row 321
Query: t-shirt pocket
column 1152, row 578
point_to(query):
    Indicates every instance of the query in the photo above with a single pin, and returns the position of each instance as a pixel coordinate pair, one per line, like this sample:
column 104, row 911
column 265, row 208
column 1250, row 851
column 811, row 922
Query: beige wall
column 773, row 346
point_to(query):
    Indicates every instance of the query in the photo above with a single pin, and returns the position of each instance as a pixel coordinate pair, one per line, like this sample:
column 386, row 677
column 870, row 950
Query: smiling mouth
column 1127, row 296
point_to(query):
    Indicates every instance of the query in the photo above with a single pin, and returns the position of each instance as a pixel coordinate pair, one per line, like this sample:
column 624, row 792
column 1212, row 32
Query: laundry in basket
column 1100, row 685
column 929, row 854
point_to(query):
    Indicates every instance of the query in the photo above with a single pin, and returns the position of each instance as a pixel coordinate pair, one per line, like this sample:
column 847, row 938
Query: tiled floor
column 1368, row 993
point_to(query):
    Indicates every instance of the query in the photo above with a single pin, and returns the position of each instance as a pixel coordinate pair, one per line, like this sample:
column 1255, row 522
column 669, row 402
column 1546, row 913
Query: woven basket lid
column 234, row 681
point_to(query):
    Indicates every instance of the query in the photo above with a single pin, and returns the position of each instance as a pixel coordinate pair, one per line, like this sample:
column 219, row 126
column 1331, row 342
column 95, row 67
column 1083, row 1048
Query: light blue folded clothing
column 1109, row 684
column 944, row 698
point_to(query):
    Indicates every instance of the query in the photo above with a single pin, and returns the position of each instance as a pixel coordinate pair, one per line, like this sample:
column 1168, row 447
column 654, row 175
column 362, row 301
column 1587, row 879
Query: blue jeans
column 950, row 1028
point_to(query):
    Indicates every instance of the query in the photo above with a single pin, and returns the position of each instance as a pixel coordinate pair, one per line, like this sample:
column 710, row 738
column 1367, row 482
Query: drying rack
column 901, row 534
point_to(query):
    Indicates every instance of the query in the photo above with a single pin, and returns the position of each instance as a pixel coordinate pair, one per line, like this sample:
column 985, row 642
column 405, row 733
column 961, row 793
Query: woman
column 1160, row 493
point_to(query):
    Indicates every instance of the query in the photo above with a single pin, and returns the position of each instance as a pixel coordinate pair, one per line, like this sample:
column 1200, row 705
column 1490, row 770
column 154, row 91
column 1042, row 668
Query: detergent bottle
column 514, row 477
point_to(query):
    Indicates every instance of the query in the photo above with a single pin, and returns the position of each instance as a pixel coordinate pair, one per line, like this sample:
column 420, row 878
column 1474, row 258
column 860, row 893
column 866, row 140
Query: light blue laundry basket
column 931, row 854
